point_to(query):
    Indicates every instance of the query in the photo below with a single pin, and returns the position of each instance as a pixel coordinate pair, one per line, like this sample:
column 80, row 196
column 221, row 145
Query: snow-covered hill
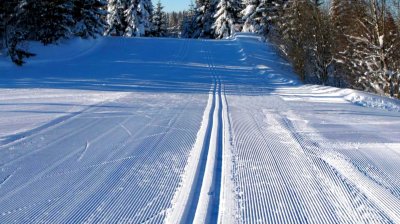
column 180, row 131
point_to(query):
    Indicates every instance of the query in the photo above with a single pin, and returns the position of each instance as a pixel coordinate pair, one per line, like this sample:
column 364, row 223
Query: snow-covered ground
column 181, row 131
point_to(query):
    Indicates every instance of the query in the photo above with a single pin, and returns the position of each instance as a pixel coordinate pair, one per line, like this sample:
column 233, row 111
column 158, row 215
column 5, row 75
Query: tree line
column 49, row 21
column 344, row 43
column 352, row 43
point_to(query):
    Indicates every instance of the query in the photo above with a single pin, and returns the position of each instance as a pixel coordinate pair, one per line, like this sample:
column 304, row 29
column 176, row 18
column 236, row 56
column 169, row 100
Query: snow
column 330, row 94
column 373, row 101
column 180, row 131
column 185, row 193
column 26, row 111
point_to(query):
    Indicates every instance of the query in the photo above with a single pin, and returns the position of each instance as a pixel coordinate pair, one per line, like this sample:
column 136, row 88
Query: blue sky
column 174, row 5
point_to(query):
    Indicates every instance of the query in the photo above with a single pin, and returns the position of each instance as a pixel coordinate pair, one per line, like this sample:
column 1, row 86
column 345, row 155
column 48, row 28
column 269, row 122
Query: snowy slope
column 181, row 131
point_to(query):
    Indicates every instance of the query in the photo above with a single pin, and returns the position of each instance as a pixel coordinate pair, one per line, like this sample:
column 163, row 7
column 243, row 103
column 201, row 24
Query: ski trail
column 205, row 136
column 208, row 191
column 184, row 198
column 209, row 201
column 198, row 199
column 227, row 202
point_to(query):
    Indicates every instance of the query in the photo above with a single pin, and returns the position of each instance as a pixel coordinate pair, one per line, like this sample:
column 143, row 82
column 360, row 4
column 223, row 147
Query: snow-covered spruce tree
column 189, row 22
column 20, row 27
column 203, row 19
column 7, row 14
column 56, row 20
column 3, row 24
column 116, row 21
column 132, row 20
column 88, row 17
column 159, row 28
column 260, row 15
column 254, row 16
column 237, row 8
column 46, row 21
column 138, row 18
column 26, row 20
column 224, row 25
column 249, row 14
column 174, row 22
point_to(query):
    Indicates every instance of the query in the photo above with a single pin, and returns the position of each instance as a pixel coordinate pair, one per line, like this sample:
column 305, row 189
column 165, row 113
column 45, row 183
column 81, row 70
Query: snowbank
column 371, row 100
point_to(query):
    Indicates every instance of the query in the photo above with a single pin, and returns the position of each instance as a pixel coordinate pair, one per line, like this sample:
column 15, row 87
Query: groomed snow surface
column 120, row 130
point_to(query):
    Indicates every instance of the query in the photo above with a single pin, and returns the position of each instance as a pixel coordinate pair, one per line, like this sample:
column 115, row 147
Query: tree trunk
column 398, row 85
column 391, row 86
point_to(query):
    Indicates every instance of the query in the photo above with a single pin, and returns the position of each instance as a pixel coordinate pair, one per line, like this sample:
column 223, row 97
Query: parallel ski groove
column 198, row 200
column 208, row 208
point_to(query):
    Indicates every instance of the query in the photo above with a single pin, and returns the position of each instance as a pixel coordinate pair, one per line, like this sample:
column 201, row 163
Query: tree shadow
column 165, row 65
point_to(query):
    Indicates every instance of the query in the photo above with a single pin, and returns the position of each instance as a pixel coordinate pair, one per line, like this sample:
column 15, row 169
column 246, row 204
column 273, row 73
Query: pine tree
column 116, row 20
column 249, row 14
column 7, row 20
column 204, row 19
column 27, row 19
column 147, row 20
column 46, row 21
column 189, row 22
column 158, row 21
column 88, row 17
column 175, row 22
column 224, row 25
column 20, row 28
column 132, row 20
column 3, row 24
column 255, row 16
column 56, row 20
column 138, row 18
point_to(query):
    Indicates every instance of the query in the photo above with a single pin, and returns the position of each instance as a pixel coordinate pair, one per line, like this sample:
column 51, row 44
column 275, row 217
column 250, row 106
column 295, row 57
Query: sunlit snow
column 138, row 130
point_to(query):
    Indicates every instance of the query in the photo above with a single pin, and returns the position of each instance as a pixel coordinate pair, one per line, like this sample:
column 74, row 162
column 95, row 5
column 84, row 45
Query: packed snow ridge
column 122, row 130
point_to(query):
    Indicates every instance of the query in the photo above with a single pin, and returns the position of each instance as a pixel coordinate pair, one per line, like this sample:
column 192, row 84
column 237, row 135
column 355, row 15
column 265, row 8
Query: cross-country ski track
column 153, row 130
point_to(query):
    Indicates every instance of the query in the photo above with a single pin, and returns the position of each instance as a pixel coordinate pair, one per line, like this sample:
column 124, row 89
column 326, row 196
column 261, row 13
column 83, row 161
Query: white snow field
column 140, row 130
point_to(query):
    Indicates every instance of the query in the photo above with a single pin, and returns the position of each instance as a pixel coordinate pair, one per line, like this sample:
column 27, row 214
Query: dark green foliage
column 47, row 21
column 159, row 22
column 87, row 15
